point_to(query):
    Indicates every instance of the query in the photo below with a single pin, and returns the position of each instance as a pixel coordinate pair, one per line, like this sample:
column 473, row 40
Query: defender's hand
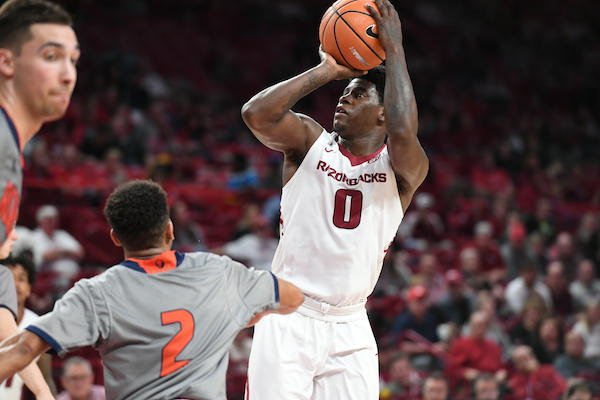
column 389, row 28
column 339, row 71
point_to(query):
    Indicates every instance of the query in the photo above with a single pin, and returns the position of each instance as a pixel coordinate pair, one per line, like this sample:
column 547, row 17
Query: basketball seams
column 341, row 16
column 336, row 41
column 333, row 12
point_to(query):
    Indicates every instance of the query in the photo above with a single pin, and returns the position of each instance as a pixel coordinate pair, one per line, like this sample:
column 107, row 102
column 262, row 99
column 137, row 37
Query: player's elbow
column 251, row 114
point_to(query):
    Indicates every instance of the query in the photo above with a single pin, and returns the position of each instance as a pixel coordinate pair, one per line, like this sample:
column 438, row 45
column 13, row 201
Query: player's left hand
column 389, row 28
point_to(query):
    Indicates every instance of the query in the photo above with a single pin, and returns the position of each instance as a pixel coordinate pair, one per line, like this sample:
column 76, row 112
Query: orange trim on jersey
column 356, row 160
column 155, row 265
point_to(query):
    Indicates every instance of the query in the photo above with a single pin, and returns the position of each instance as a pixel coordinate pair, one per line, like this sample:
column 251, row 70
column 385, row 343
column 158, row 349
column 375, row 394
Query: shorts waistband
column 325, row 311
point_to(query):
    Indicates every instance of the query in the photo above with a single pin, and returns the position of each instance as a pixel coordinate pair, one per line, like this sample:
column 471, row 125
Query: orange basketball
column 349, row 33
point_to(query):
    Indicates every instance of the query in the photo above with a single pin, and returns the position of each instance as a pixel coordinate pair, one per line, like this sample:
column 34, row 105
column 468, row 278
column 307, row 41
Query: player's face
column 45, row 71
column 21, row 283
column 7, row 246
column 358, row 110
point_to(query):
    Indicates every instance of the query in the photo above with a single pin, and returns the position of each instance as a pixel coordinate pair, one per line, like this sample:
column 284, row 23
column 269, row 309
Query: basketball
column 349, row 33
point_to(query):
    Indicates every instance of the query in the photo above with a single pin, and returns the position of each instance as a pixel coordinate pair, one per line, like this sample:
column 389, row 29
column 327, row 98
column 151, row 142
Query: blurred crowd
column 491, row 288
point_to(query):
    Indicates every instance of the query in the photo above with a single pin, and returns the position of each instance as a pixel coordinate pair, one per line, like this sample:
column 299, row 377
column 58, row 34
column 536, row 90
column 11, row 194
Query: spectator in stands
column 525, row 331
column 536, row 251
column 514, row 251
column 53, row 248
column 78, row 380
column 243, row 176
column 456, row 306
column 542, row 221
column 470, row 266
column 578, row 390
column 526, row 286
column 530, row 380
column 429, row 275
column 486, row 387
column 416, row 328
column 255, row 249
column 189, row 236
column 421, row 226
column 589, row 328
column 486, row 303
column 402, row 381
column 435, row 387
column 24, row 276
column 588, row 236
column 549, row 343
column 556, row 280
column 586, row 287
column 472, row 355
column 573, row 363
column 565, row 251
column 492, row 263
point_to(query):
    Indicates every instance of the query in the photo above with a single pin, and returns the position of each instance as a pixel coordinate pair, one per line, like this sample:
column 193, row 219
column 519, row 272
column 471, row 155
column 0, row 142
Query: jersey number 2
column 347, row 208
column 185, row 319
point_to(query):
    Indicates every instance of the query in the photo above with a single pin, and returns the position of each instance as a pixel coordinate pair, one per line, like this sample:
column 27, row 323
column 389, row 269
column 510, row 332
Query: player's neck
column 362, row 146
column 20, row 313
column 146, row 253
column 25, row 124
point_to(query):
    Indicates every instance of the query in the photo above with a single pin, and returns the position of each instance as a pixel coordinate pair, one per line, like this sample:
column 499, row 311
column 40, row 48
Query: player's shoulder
column 202, row 259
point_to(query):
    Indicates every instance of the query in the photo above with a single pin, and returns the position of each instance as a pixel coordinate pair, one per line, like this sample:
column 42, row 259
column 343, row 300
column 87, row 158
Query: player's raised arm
column 401, row 118
column 269, row 116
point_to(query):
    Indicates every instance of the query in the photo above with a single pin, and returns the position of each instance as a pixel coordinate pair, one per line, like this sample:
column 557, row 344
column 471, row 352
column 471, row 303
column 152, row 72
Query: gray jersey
column 163, row 326
column 8, row 293
column 11, row 175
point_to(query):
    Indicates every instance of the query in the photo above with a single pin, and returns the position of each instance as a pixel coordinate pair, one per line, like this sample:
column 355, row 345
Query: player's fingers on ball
column 382, row 7
column 373, row 12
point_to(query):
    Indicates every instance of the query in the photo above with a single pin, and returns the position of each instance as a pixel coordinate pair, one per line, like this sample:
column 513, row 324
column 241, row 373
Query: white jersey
column 339, row 214
column 11, row 388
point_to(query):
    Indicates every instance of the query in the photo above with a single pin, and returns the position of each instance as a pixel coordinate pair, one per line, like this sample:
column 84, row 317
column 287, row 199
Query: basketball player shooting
column 343, row 198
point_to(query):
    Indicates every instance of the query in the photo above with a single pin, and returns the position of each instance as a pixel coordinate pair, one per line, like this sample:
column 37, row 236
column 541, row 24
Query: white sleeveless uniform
column 339, row 214
column 12, row 388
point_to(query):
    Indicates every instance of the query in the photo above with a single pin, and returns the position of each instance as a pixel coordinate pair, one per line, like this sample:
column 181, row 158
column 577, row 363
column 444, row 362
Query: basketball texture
column 349, row 33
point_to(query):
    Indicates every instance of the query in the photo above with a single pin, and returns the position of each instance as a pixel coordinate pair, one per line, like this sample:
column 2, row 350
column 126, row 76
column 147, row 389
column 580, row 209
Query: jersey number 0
column 185, row 319
column 347, row 208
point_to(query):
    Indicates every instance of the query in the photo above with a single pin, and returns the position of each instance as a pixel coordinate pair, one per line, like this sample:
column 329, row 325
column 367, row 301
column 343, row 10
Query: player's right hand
column 339, row 71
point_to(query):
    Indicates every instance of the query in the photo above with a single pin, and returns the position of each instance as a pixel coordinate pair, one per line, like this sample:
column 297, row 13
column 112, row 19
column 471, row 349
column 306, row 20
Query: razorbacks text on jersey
column 339, row 214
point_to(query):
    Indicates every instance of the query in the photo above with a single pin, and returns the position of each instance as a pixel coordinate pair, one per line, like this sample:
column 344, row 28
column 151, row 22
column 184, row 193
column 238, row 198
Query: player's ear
column 7, row 64
column 115, row 239
column 169, row 233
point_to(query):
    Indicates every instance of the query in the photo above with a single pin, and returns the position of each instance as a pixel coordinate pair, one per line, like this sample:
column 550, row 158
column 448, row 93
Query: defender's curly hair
column 138, row 213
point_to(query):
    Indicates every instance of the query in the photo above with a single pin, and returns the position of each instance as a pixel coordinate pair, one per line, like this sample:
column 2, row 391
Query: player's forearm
column 271, row 105
column 401, row 114
column 14, row 358
column 33, row 378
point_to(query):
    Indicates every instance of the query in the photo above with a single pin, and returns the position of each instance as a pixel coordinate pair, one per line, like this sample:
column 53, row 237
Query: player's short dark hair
column 17, row 16
column 377, row 77
column 138, row 213
column 26, row 263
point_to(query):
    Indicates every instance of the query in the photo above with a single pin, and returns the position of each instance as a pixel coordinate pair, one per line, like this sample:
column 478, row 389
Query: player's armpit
column 19, row 351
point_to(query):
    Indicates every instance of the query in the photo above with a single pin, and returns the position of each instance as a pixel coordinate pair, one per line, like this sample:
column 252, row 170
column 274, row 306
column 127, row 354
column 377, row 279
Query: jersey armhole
column 309, row 153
